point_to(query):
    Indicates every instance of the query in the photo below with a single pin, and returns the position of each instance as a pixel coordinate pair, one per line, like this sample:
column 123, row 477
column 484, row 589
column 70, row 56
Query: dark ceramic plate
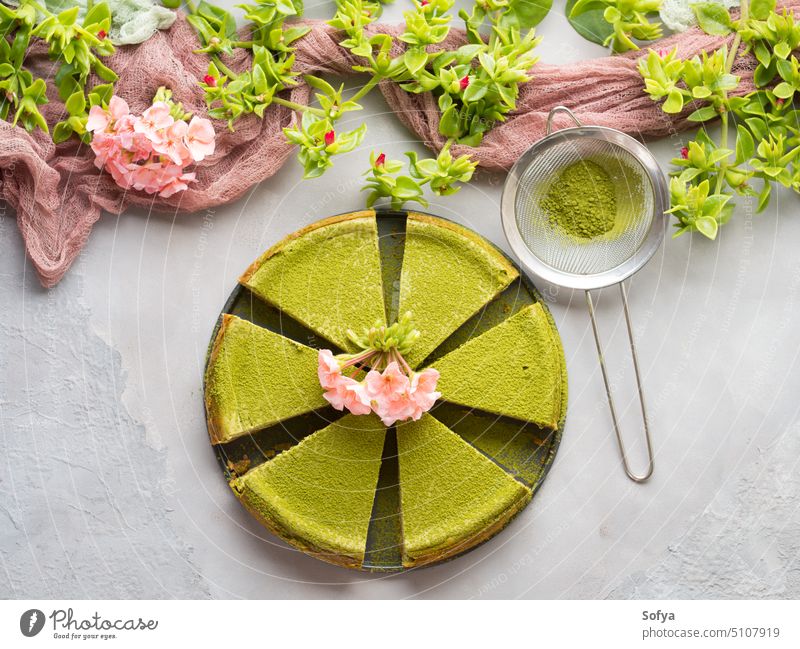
column 522, row 449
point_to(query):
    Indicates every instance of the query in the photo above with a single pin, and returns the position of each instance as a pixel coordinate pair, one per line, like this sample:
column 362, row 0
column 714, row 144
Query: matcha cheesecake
column 448, row 274
column 327, row 276
column 461, row 471
column 452, row 496
column 256, row 378
column 514, row 369
column 319, row 494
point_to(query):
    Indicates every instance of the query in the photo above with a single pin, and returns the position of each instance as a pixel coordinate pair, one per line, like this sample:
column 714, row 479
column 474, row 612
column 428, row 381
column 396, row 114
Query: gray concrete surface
column 108, row 486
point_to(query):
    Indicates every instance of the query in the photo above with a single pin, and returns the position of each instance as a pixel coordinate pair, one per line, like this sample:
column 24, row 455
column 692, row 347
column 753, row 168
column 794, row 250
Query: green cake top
column 256, row 378
column 450, row 493
column 448, row 274
column 320, row 493
column 514, row 370
column 327, row 276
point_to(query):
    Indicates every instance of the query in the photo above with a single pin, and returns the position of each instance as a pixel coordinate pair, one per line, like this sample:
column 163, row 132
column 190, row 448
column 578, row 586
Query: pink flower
column 348, row 393
column 380, row 160
column 146, row 177
column 210, row 81
column 663, row 53
column 98, row 119
column 102, row 34
column 128, row 138
column 199, row 138
column 464, row 82
column 389, row 384
column 330, row 137
column 176, row 184
column 393, row 410
column 169, row 142
column 329, row 369
column 423, row 388
column 120, row 172
column 101, row 119
column 153, row 120
column 104, row 146
column 148, row 153
column 685, row 152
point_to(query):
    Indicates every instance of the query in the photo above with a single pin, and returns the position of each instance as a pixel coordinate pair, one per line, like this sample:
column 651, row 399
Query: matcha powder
column 582, row 200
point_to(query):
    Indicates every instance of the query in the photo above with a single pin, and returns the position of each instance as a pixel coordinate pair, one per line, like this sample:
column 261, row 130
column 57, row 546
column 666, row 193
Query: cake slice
column 256, row 378
column 448, row 274
column 318, row 495
column 515, row 370
column 327, row 276
column 452, row 497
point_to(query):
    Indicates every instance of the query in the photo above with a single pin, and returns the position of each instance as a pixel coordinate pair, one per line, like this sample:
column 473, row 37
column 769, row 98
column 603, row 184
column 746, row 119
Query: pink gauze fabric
column 58, row 193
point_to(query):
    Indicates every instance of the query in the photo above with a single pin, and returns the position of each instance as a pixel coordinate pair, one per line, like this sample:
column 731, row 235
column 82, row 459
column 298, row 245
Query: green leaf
column 526, row 14
column 761, row 9
column 703, row 114
column 782, row 50
column 674, row 102
column 763, row 197
column 588, row 21
column 783, row 90
column 448, row 123
column 62, row 132
column 707, row 226
column 713, row 18
column 745, row 147
column 97, row 14
column 76, row 103
column 475, row 90
column 764, row 75
column 415, row 59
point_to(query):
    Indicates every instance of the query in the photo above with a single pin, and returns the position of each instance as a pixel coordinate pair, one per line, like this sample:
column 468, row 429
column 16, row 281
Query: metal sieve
column 546, row 249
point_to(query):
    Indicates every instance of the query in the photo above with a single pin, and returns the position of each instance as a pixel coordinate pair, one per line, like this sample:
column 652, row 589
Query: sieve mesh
column 556, row 247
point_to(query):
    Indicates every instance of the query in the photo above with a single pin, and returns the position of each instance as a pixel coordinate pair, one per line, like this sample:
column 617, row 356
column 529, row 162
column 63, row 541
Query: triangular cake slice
column 448, row 274
column 452, row 497
column 256, row 378
column 327, row 276
column 515, row 370
column 319, row 494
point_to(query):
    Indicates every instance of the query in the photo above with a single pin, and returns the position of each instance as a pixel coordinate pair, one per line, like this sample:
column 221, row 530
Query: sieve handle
column 554, row 112
column 645, row 476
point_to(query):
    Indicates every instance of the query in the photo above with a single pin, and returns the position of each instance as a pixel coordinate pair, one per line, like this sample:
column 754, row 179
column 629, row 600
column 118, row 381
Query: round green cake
column 345, row 488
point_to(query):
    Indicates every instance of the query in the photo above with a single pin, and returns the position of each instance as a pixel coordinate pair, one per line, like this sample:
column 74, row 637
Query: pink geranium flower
column 153, row 120
column 169, row 142
column 328, row 370
column 395, row 394
column 199, row 138
column 101, row 119
column 348, row 393
column 150, row 152
column 423, row 388
column 105, row 147
column 389, row 384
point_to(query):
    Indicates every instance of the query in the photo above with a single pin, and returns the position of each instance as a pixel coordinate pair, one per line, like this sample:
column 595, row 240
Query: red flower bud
column 779, row 101
column 464, row 83
column 102, row 34
column 424, row 3
column 330, row 136
column 210, row 81
column 685, row 152
column 380, row 160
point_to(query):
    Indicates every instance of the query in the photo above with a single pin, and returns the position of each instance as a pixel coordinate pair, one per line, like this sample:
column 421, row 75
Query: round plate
column 524, row 450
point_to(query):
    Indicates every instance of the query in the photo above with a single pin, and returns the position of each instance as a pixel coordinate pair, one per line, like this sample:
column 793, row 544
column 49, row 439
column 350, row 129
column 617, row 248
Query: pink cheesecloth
column 58, row 193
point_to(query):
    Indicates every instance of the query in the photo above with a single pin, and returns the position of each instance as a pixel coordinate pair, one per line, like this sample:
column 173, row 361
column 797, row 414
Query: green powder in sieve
column 582, row 200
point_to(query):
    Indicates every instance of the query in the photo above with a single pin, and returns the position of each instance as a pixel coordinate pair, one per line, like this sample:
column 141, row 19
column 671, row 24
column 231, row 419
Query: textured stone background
column 108, row 487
